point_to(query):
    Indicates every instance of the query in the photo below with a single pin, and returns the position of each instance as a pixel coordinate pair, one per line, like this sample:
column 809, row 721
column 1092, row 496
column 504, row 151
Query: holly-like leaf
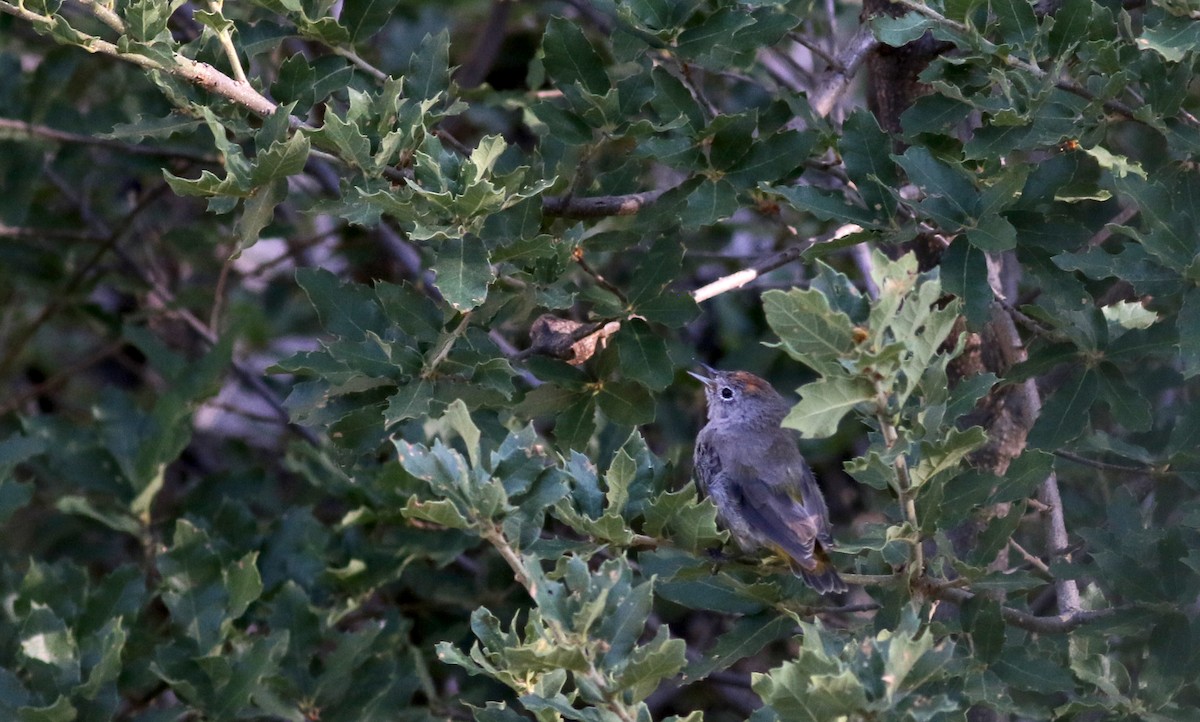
column 825, row 402
column 809, row 330
column 464, row 272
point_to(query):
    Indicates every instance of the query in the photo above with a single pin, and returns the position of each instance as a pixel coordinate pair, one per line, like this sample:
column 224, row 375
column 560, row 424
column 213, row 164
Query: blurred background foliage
column 343, row 353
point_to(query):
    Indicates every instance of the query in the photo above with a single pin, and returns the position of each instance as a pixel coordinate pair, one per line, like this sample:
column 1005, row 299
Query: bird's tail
column 822, row 576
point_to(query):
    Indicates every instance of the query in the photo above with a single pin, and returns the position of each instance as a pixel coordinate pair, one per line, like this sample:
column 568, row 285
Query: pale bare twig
column 1057, row 543
column 837, row 79
column 741, row 278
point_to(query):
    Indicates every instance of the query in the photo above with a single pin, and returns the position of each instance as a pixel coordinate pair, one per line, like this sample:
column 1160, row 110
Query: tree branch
column 770, row 263
column 1057, row 543
column 30, row 130
column 599, row 206
column 1059, row 624
column 837, row 79
column 197, row 73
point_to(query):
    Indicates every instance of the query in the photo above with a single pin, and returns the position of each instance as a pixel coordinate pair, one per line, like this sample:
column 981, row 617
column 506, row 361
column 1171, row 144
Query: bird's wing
column 792, row 474
column 706, row 462
column 772, row 512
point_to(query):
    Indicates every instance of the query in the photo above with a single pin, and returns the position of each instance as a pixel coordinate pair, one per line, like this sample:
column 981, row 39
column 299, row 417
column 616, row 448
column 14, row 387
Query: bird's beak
column 706, row 380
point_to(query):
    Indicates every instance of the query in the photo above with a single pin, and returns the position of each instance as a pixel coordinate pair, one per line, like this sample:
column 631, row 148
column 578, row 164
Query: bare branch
column 599, row 206
column 1057, row 543
column 837, row 79
column 183, row 67
column 1059, row 624
column 784, row 257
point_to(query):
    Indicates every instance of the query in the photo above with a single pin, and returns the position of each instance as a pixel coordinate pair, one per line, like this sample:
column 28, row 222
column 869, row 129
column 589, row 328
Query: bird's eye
column 726, row 393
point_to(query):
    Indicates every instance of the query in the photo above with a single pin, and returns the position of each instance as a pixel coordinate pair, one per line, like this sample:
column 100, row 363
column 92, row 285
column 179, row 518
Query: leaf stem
column 903, row 481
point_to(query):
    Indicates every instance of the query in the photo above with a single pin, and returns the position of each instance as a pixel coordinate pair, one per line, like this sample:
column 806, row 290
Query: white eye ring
column 726, row 393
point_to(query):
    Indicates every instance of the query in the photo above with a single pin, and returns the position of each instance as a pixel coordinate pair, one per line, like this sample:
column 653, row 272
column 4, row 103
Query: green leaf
column 866, row 151
column 347, row 137
column 950, row 196
column 570, row 58
column 305, row 81
column 574, row 427
column 1172, row 37
column 771, row 159
column 258, row 212
column 712, row 201
column 983, row 621
column 280, row 160
column 1127, row 405
column 626, row 402
column 464, row 271
column 428, row 73
column 1065, row 414
column 151, row 127
column 964, row 273
column 621, row 474
column 47, row 644
column 826, row 206
column 651, row 663
column 14, row 450
column 643, row 354
column 438, row 511
column 812, row 689
column 745, row 638
column 809, row 330
column 61, row 711
column 897, row 31
column 1018, row 26
column 364, row 18
column 823, row 404
column 1071, row 23
column 107, row 668
column 945, row 454
column 243, row 583
column 690, row 524
column 1188, row 323
column 147, row 19
column 346, row 310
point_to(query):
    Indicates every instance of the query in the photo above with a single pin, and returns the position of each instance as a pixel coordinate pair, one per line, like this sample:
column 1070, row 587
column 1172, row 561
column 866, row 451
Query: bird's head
column 741, row 398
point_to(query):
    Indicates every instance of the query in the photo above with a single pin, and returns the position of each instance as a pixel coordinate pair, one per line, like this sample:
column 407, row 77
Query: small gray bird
column 764, row 491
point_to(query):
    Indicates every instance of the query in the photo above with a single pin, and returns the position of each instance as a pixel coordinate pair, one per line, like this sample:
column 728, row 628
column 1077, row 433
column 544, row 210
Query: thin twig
column 443, row 349
column 1106, row 466
column 214, row 316
column 1127, row 214
column 16, row 400
column 245, row 375
column 1037, row 563
column 577, row 256
column 35, row 234
column 1057, row 543
column 17, row 341
column 1059, row 624
column 599, row 206
column 105, row 15
column 746, row 275
column 862, row 258
column 837, row 79
column 32, row 130
column 357, row 61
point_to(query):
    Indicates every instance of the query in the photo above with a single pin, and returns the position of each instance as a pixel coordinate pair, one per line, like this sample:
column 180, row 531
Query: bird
column 765, row 493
